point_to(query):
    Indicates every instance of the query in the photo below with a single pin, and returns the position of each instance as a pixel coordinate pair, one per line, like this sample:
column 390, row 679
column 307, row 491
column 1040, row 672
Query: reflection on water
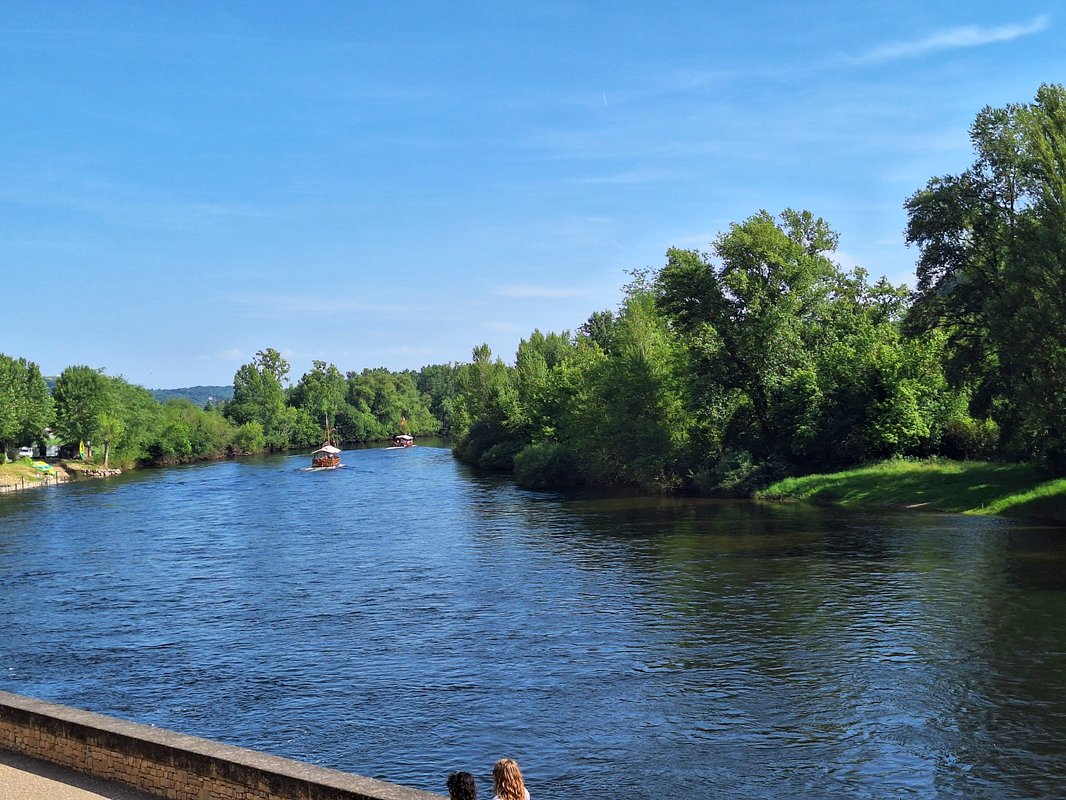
column 401, row 617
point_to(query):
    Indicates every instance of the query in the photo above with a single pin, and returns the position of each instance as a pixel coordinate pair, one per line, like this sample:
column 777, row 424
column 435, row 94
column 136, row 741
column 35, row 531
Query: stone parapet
column 173, row 765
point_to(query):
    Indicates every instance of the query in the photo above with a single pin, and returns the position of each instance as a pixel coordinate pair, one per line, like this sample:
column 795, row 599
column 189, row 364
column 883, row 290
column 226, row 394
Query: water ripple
column 401, row 617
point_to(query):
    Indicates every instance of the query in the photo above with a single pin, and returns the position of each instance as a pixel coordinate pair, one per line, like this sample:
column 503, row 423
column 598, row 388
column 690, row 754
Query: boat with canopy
column 328, row 455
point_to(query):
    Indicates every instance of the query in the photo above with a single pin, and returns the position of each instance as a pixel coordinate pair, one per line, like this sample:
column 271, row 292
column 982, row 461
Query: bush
column 481, row 438
column 737, row 474
column 500, row 456
column 249, row 438
column 547, row 465
column 968, row 439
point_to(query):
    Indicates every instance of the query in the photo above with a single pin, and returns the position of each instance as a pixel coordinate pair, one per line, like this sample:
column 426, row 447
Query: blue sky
column 391, row 184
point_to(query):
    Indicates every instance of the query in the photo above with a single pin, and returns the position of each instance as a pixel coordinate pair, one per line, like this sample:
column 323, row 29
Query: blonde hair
column 507, row 780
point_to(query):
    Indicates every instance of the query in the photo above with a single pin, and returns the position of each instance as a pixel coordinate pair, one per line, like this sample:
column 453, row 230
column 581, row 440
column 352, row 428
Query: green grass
column 953, row 486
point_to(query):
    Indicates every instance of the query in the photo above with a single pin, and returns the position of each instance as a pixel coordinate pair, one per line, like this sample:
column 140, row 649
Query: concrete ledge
column 173, row 765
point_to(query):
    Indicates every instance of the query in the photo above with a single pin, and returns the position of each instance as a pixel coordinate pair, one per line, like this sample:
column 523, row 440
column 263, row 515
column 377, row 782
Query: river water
column 402, row 617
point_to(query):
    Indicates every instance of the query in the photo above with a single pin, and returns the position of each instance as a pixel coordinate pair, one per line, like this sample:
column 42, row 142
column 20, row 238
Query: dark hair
column 461, row 786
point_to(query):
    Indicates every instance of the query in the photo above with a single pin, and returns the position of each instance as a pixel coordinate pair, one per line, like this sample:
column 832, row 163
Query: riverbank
column 1016, row 490
column 21, row 475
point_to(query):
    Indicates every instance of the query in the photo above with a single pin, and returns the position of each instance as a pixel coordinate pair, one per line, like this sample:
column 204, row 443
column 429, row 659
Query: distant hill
column 198, row 394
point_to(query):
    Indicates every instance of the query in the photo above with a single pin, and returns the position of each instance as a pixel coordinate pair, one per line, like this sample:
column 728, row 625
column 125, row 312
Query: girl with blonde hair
column 507, row 781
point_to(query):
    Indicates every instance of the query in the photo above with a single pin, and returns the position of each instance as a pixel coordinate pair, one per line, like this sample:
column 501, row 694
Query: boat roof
column 327, row 448
column 403, row 436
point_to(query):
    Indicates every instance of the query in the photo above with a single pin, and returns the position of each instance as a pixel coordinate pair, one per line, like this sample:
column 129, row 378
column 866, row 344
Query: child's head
column 461, row 786
column 507, row 780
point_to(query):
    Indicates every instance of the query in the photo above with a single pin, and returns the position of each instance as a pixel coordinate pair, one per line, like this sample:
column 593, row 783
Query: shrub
column 249, row 438
column 501, row 455
column 737, row 474
column 547, row 465
column 968, row 439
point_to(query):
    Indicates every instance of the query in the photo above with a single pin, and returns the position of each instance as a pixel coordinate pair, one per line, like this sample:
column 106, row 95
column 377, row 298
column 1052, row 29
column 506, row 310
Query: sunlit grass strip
column 953, row 486
column 1046, row 501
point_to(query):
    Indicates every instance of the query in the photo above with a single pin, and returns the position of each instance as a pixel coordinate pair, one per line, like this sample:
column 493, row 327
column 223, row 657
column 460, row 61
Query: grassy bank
column 952, row 486
column 22, row 474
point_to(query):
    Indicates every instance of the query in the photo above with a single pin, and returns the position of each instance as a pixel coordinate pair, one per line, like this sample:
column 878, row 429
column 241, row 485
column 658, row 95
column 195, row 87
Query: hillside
column 197, row 394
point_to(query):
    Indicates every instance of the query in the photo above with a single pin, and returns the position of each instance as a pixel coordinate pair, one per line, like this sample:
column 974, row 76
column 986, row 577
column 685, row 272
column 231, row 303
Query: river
column 402, row 617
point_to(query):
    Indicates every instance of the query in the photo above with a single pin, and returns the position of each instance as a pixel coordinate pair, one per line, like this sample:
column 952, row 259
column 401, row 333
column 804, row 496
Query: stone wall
column 173, row 765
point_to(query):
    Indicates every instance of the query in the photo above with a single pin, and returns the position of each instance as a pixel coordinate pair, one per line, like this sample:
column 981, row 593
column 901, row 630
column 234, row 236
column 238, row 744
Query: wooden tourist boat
column 328, row 455
column 403, row 439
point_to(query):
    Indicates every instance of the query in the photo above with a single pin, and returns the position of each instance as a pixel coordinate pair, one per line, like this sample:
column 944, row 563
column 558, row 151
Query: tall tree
column 624, row 422
column 26, row 407
column 746, row 318
column 992, row 272
column 111, row 431
column 438, row 382
column 259, row 396
column 82, row 395
column 320, row 392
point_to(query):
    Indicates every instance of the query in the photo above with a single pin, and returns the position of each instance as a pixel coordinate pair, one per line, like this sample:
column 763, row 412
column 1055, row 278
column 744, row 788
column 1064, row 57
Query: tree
column 437, row 382
column 26, row 407
column 259, row 396
column 141, row 420
column 535, row 360
column 599, row 328
column 82, row 395
column 320, row 393
column 992, row 272
column 487, row 414
column 111, row 430
column 745, row 320
column 625, row 423
column 381, row 403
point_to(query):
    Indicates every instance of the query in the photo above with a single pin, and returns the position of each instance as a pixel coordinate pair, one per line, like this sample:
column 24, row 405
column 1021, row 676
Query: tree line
column 722, row 371
column 719, row 372
column 109, row 419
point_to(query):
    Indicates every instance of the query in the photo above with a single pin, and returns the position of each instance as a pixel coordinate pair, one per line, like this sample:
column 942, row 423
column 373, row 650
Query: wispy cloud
column 233, row 354
column 503, row 327
column 634, row 177
column 529, row 290
column 272, row 306
column 952, row 39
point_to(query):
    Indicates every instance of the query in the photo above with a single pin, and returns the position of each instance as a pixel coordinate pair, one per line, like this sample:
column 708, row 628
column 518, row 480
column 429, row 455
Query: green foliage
column 619, row 413
column 500, row 456
column 991, row 272
column 736, row 473
column 140, row 417
column 249, row 438
column 26, row 407
column 82, row 396
column 181, row 431
column 259, row 396
column 792, row 360
column 382, row 404
column 437, row 383
column 112, row 429
column 746, row 319
column 320, row 392
column 486, row 409
column 546, row 465
column 306, row 431
column 479, row 439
